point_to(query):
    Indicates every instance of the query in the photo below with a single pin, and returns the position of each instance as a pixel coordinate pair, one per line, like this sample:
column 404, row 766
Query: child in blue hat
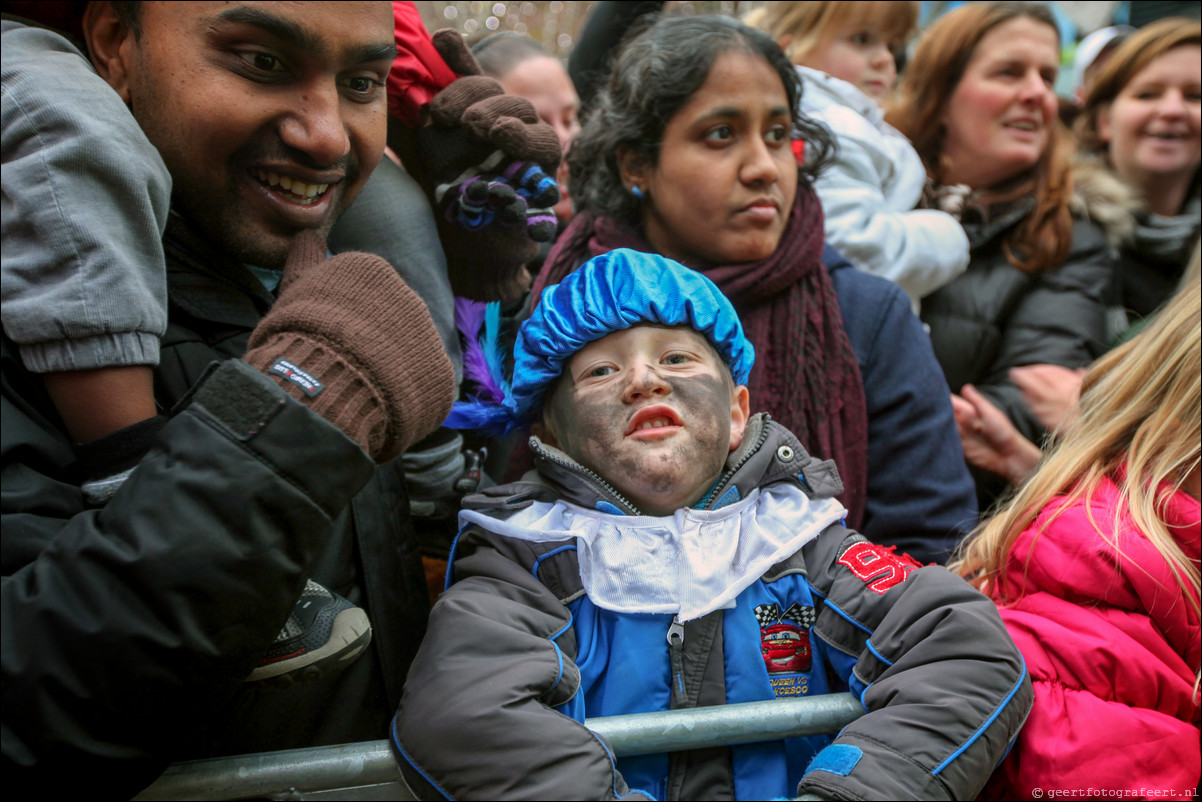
column 672, row 550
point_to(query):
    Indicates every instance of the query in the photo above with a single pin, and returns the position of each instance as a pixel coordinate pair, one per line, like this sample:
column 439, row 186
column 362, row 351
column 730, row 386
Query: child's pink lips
column 646, row 415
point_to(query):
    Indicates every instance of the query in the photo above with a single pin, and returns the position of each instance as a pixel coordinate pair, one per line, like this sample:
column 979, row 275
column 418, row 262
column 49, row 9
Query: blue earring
column 637, row 192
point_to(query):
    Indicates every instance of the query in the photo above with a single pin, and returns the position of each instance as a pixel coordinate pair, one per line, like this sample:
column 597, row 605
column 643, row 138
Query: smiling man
column 270, row 117
column 287, row 386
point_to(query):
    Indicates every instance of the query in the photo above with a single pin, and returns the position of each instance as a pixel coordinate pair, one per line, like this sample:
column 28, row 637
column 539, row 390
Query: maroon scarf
column 805, row 375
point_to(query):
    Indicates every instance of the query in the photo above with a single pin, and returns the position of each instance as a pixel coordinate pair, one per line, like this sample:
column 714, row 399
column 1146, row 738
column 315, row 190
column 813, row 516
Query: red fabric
column 799, row 151
column 805, row 375
column 418, row 73
column 1112, row 645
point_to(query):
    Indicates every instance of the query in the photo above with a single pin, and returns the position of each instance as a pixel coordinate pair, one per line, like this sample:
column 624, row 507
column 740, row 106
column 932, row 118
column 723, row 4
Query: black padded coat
column 128, row 630
column 995, row 317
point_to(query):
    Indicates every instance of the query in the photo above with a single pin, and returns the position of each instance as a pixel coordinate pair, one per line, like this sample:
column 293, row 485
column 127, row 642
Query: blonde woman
column 1095, row 565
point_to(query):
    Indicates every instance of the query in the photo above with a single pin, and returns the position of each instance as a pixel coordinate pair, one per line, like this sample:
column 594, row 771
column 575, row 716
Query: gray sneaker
column 324, row 633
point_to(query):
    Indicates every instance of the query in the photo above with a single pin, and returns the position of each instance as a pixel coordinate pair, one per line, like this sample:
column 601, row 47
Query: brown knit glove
column 351, row 340
column 508, row 122
column 487, row 164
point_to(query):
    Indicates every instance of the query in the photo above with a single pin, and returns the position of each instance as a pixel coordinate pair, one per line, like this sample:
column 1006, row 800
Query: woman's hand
column 989, row 438
column 1051, row 391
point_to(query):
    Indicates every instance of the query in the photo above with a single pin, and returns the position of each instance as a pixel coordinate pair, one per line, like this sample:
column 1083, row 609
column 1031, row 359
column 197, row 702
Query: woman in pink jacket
column 1095, row 565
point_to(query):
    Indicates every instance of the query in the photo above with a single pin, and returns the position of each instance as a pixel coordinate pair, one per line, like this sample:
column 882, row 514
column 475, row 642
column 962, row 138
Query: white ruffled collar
column 687, row 564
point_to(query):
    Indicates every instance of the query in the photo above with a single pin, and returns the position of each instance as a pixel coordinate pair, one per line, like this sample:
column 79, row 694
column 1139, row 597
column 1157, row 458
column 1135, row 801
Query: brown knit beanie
column 350, row 339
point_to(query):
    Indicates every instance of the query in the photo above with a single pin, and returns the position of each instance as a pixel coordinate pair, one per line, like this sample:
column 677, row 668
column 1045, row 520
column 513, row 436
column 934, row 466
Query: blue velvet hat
column 608, row 293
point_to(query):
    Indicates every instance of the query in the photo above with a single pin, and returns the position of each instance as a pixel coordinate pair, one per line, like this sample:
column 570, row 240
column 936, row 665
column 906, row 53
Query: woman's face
column 999, row 119
column 726, row 178
column 1153, row 127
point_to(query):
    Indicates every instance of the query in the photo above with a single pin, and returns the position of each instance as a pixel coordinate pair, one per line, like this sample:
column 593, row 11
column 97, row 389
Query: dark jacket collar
column 208, row 283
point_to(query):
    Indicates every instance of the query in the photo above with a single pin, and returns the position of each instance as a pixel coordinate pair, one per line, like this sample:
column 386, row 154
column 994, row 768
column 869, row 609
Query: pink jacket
column 1113, row 649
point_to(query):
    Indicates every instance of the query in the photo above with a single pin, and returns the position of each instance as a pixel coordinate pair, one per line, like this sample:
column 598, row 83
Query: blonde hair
column 1127, row 61
column 1043, row 238
column 812, row 24
column 1141, row 407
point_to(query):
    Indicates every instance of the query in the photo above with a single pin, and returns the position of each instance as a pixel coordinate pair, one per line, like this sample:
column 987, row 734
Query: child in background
column 845, row 54
column 1095, row 564
column 674, row 551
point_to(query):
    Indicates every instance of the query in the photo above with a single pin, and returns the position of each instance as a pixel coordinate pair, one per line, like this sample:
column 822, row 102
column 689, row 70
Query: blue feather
column 483, row 416
column 480, row 364
column 494, row 352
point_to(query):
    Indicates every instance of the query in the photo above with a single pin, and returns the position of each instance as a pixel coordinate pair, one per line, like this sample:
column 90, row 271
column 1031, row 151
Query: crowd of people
column 365, row 383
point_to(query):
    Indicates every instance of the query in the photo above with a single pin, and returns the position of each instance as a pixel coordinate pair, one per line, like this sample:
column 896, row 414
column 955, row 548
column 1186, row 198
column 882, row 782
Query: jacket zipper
column 676, row 651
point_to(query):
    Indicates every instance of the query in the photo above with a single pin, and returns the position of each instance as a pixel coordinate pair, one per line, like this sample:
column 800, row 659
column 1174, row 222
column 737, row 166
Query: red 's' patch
column 877, row 566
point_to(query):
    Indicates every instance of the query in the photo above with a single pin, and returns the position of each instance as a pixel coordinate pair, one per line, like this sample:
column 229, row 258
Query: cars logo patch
column 785, row 637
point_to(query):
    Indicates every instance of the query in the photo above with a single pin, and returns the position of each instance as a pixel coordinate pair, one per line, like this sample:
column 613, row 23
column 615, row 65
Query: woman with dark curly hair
column 689, row 152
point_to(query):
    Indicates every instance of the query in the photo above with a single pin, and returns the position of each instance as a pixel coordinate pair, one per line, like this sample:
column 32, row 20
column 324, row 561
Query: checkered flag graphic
column 803, row 616
column 767, row 614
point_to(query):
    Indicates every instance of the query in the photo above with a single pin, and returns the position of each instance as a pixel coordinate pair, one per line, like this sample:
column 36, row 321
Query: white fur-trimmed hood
column 1103, row 198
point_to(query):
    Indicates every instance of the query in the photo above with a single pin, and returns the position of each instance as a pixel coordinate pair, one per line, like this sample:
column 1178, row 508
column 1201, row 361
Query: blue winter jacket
column 558, row 611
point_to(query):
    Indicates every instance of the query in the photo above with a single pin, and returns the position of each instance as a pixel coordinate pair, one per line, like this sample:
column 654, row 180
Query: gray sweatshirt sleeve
column 85, row 202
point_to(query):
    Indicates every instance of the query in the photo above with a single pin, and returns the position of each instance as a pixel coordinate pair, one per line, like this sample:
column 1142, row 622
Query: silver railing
column 368, row 770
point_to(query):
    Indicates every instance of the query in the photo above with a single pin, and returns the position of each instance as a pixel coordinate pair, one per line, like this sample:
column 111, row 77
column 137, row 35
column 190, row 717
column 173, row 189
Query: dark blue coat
column 921, row 497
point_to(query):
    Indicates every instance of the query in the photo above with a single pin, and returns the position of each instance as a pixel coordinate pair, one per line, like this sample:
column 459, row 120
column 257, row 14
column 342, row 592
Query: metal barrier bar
column 748, row 722
column 296, row 772
column 266, row 774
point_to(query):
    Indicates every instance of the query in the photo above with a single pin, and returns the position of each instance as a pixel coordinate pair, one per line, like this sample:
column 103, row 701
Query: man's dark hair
column 653, row 77
column 129, row 12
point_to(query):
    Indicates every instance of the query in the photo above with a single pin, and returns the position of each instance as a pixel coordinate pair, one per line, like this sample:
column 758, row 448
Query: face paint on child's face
column 650, row 409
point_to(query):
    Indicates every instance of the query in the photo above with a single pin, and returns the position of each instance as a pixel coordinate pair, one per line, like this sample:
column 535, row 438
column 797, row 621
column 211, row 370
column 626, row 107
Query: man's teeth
column 1023, row 126
column 654, row 423
column 288, row 184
